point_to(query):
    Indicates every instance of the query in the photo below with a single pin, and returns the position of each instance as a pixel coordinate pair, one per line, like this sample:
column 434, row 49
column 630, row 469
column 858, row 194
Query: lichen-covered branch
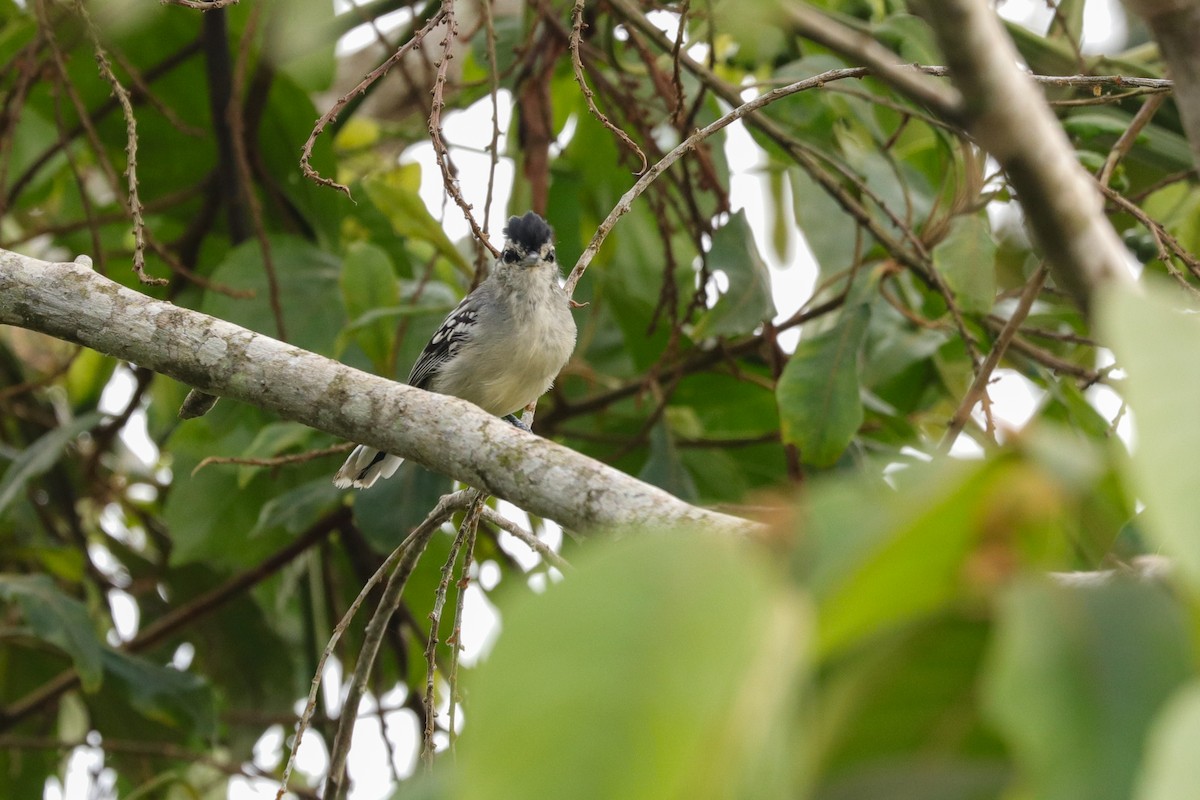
column 451, row 436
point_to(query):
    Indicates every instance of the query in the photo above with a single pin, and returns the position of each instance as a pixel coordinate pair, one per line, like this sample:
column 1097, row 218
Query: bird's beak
column 530, row 260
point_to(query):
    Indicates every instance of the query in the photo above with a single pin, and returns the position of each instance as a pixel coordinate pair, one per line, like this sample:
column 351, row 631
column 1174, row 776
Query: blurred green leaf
column 1075, row 678
column 747, row 303
column 818, row 392
column 39, row 457
column 966, row 258
column 1156, row 342
column 1171, row 769
column 368, row 282
column 175, row 700
column 664, row 468
column 394, row 191
column 58, row 619
column 607, row 643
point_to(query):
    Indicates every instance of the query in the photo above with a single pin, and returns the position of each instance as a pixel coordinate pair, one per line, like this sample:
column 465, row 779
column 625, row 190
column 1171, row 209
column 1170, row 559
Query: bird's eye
column 550, row 256
column 511, row 257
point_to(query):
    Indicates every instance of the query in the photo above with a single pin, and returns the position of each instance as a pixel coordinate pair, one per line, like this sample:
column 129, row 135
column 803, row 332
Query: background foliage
column 900, row 632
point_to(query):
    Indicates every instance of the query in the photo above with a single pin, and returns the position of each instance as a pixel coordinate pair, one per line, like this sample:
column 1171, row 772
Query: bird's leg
column 512, row 418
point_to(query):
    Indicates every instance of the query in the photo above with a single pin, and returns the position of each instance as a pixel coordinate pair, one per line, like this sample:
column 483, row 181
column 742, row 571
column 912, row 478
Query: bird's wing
column 456, row 329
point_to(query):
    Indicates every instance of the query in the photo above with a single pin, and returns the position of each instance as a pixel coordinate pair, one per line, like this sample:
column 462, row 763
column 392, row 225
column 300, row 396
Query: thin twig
column 131, row 144
column 241, row 158
column 588, row 95
column 440, row 152
column 332, row 114
column 278, row 461
column 1127, row 138
column 690, row 143
column 404, row 558
column 983, row 375
column 465, row 538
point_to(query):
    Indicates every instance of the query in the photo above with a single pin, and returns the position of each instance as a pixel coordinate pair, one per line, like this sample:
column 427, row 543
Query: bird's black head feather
column 529, row 232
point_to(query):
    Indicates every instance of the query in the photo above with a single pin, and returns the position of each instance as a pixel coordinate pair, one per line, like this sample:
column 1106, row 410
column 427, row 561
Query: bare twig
column 332, row 114
column 440, row 153
column 131, row 144
column 403, row 560
column 983, row 374
column 588, row 95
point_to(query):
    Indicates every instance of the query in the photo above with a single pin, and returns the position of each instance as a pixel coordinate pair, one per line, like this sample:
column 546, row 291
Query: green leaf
column 1171, row 769
column 747, row 302
column 818, row 392
column 966, row 258
column 1156, row 342
column 610, row 700
column 178, row 700
column 394, row 192
column 1076, row 677
column 306, row 277
column 368, row 284
column 58, row 619
column 830, row 232
column 664, row 468
column 39, row 457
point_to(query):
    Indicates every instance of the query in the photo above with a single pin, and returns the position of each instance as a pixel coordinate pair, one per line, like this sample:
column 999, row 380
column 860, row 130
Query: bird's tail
column 365, row 466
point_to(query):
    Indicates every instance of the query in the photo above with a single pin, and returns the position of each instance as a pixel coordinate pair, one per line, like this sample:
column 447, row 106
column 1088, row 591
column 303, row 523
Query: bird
column 501, row 348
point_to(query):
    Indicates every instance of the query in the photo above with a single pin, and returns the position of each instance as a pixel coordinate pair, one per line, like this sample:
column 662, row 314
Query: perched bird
column 501, row 348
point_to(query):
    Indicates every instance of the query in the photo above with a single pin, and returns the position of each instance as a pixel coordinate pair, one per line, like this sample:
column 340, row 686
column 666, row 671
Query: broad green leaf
column 966, row 258
column 295, row 510
column 830, row 233
column 917, row 542
column 1076, row 677
column 747, row 303
column 368, row 282
column 394, row 192
column 271, row 441
column 818, row 392
column 306, row 277
column 664, row 468
column 1157, row 343
column 1171, row 769
column 177, row 700
column 610, row 709
column 59, row 619
column 39, row 457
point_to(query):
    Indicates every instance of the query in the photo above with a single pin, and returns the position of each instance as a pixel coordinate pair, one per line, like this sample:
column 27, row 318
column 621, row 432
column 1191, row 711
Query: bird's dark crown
column 529, row 232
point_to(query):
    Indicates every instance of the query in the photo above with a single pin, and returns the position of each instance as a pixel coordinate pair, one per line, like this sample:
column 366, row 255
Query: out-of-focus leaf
column 607, row 644
column 665, row 469
column 59, row 619
column 394, row 506
column 830, row 233
column 1076, row 677
column 39, row 457
column 1158, row 345
column 747, row 302
column 966, row 258
column 295, row 510
column 818, row 392
column 271, row 441
column 368, row 283
column 1171, row 769
column 944, row 525
column 394, row 192
column 179, row 701
column 307, row 279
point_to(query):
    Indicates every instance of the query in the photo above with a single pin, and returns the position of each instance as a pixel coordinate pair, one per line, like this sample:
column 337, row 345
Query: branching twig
column 403, row 559
column 588, row 95
column 131, row 144
column 440, row 152
column 332, row 114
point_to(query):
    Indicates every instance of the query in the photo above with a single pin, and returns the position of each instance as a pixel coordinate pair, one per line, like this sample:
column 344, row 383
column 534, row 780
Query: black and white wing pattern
column 456, row 329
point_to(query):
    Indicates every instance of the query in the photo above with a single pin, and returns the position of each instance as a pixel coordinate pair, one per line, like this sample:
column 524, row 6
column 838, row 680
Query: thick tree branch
column 1003, row 110
column 451, row 436
column 1174, row 23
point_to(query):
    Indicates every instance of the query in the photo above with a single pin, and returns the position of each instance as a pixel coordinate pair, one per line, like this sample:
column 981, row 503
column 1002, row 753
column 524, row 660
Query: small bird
column 501, row 348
